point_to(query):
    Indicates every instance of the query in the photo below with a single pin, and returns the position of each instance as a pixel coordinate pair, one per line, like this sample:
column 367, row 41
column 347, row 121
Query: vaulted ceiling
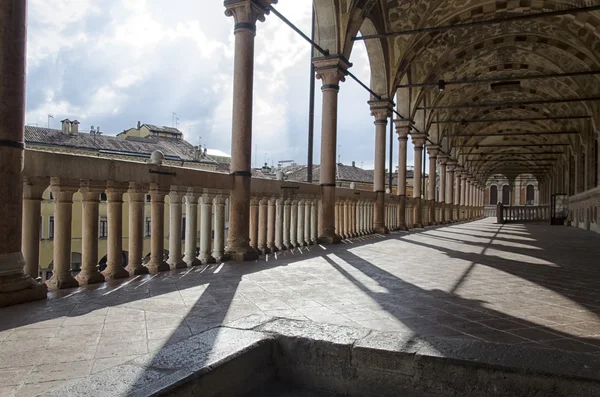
column 411, row 42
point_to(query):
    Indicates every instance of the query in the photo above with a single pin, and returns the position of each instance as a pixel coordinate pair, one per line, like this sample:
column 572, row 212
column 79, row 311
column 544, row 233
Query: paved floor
column 519, row 284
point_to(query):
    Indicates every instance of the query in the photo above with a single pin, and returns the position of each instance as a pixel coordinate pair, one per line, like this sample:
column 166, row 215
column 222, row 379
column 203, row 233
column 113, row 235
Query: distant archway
column 494, row 195
column 530, row 195
column 505, row 195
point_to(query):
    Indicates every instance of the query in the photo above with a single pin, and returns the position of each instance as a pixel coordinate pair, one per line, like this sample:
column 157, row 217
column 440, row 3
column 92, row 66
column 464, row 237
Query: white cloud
column 113, row 63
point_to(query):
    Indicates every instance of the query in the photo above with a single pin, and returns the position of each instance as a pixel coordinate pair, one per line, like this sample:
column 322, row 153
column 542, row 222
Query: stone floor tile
column 61, row 371
column 13, row 376
column 9, row 391
column 26, row 334
column 104, row 363
column 36, row 389
column 121, row 349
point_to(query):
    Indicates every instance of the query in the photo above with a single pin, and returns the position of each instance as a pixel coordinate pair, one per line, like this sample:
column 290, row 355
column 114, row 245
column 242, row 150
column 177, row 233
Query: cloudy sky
column 110, row 63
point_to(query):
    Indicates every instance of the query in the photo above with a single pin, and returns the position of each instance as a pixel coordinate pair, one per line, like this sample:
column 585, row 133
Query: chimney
column 139, row 125
column 74, row 127
column 66, row 126
column 354, row 164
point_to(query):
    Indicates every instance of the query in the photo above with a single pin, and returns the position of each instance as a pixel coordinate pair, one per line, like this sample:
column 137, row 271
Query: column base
column 264, row 251
column 84, row 278
column 136, row 270
column 273, row 249
column 154, row 268
column 115, row 273
column 62, row 282
column 418, row 226
column 20, row 288
column 220, row 257
column 242, row 254
column 329, row 239
column 382, row 230
column 208, row 260
column 180, row 264
column 402, row 227
column 191, row 262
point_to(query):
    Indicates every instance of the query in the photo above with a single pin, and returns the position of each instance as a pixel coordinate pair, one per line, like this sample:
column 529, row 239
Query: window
column 505, row 195
column 183, row 228
column 103, row 196
column 51, row 196
column 148, row 198
column 41, row 227
column 103, row 232
column 51, row 228
column 147, row 226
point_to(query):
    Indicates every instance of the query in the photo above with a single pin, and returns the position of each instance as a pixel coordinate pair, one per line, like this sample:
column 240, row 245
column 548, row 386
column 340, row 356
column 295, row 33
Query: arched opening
column 530, row 195
column 494, row 195
column 505, row 195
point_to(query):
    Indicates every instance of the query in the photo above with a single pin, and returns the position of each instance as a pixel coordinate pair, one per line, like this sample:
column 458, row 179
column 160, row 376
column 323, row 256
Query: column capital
column 157, row 192
column 177, row 193
column 403, row 128
column 63, row 189
column 34, row 187
column 137, row 192
column 443, row 158
column 219, row 200
column 418, row 140
column 451, row 165
column 381, row 110
column 115, row 190
column 246, row 13
column 331, row 70
column 458, row 170
column 433, row 150
column 90, row 190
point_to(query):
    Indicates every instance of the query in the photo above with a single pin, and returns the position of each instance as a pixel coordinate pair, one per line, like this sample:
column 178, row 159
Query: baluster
column 206, row 204
column 294, row 223
column 33, row 191
column 314, row 220
column 136, row 201
column 191, row 228
column 62, row 191
column 279, row 225
column 90, row 193
column 263, row 209
column 254, row 223
column 271, row 224
column 175, row 218
column 307, row 221
column 300, row 226
column 287, row 223
column 219, row 242
column 157, row 243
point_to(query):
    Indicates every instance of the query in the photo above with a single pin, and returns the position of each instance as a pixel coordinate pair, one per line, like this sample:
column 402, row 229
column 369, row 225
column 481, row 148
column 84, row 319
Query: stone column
column 443, row 160
column 402, row 129
column 294, row 223
column 450, row 166
column 307, row 221
column 191, row 228
column 331, row 70
column 15, row 285
column 137, row 196
column 63, row 214
column 345, row 219
column 418, row 142
column 246, row 13
column 218, row 252
column 114, row 257
column 300, row 231
column 433, row 151
column 457, row 173
column 33, row 191
column 254, row 223
column 89, row 273
column 314, row 222
column 338, row 218
column 176, row 195
column 287, row 213
column 271, row 222
column 157, row 237
column 381, row 110
column 206, row 206
column 279, row 225
column 463, row 191
column 263, row 209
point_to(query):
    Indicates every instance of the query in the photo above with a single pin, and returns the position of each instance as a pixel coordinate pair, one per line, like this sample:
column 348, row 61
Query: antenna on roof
column 173, row 117
column 50, row 116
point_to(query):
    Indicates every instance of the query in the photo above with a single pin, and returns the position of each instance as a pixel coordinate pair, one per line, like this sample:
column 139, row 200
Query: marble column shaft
column 90, row 209
column 137, row 196
column 206, row 207
column 218, row 252
column 176, row 195
column 157, row 236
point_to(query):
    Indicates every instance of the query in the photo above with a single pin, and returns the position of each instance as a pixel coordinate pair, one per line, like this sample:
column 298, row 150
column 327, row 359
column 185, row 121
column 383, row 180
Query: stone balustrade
column 283, row 215
column 583, row 210
column 525, row 213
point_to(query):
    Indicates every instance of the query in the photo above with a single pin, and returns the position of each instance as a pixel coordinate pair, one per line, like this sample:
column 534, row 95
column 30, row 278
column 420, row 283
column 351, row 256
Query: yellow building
column 136, row 144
